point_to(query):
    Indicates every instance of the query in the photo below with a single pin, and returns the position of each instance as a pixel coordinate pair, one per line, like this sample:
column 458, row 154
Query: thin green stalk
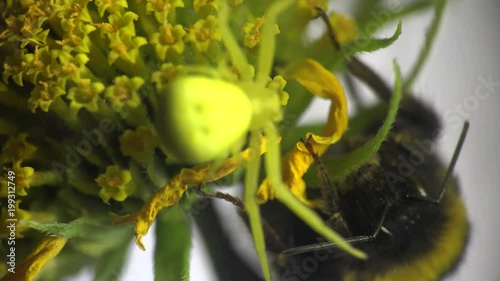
column 8, row 128
column 41, row 178
column 429, row 42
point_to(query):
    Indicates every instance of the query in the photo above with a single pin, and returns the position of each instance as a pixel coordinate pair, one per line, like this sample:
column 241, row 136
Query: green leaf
column 83, row 227
column 412, row 8
column 68, row 262
column 173, row 245
column 360, row 123
column 351, row 161
column 370, row 44
column 429, row 41
column 369, row 12
column 363, row 11
column 110, row 264
column 94, row 241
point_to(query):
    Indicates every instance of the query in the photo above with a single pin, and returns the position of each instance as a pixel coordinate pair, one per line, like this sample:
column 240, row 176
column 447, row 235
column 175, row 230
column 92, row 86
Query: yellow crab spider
column 191, row 124
column 206, row 112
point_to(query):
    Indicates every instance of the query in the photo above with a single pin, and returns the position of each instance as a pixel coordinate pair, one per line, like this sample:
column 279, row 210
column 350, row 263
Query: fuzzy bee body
column 420, row 238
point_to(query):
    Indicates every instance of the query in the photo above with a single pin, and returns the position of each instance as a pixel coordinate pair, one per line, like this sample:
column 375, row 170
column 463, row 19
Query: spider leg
column 252, row 208
column 283, row 194
column 237, row 56
column 268, row 43
column 330, row 245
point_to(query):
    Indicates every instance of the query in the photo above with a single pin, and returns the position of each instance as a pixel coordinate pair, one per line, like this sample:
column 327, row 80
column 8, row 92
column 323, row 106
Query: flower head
column 115, row 184
column 138, row 144
column 17, row 149
column 253, row 31
column 204, row 34
column 93, row 97
column 168, row 38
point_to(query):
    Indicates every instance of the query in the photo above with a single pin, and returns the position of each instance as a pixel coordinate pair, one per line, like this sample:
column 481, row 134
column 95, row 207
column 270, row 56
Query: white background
column 468, row 47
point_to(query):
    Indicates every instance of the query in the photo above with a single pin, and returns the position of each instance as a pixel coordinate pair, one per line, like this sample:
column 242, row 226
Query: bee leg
column 328, row 192
column 337, row 222
column 451, row 167
column 220, row 195
column 269, row 231
column 330, row 245
column 373, row 236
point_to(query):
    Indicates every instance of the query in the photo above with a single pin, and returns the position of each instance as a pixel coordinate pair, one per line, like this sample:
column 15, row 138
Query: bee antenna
column 453, row 161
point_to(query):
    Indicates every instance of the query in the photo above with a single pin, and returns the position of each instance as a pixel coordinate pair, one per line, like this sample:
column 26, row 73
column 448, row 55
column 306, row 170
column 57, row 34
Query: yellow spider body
column 200, row 117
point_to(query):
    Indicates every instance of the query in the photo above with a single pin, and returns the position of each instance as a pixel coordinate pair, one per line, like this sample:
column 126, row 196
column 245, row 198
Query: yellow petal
column 174, row 190
column 294, row 165
column 344, row 27
column 48, row 248
column 321, row 83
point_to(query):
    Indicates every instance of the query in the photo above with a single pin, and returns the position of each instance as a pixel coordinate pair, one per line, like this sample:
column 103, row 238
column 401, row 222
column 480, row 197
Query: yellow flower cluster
column 79, row 99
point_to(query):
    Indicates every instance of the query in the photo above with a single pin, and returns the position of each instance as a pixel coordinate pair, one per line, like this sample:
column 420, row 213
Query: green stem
column 430, row 38
column 345, row 164
column 61, row 109
column 136, row 117
column 41, row 178
column 209, row 223
column 132, row 69
column 106, row 112
column 155, row 168
column 80, row 180
column 7, row 128
column 268, row 44
column 147, row 24
column 13, row 100
column 98, row 61
column 237, row 56
column 147, row 186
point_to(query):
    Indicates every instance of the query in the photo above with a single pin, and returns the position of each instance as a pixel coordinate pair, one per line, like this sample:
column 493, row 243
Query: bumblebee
column 402, row 207
column 411, row 224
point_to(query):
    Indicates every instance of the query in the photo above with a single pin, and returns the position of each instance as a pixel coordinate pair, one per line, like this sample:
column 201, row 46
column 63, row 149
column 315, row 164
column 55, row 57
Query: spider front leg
column 295, row 163
column 305, row 213
column 266, row 105
column 254, row 219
